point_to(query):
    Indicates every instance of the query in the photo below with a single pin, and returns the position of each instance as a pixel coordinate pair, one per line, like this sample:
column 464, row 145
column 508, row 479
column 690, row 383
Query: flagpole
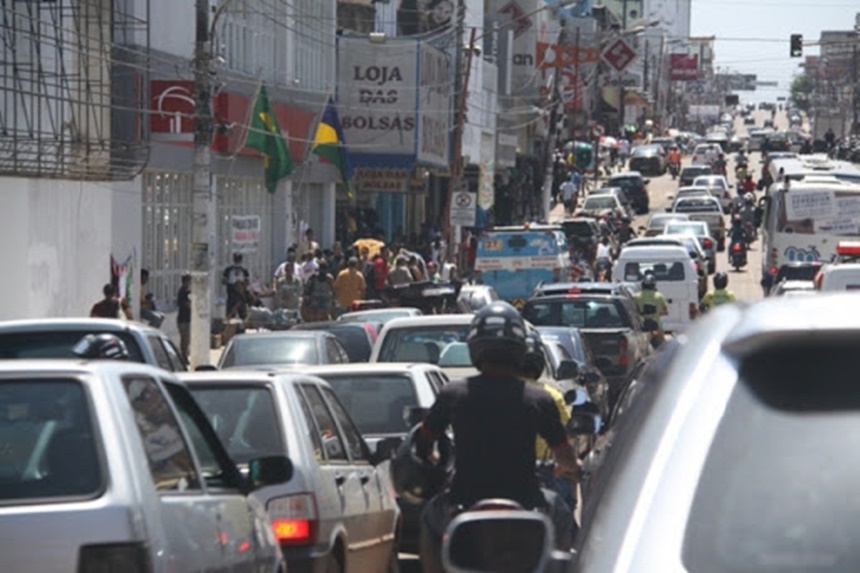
column 247, row 126
column 305, row 166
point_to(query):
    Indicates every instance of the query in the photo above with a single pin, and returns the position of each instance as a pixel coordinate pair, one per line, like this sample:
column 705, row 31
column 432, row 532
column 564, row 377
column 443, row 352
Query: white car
column 719, row 187
column 438, row 339
column 476, row 297
column 705, row 153
column 691, row 191
column 379, row 315
column 111, row 466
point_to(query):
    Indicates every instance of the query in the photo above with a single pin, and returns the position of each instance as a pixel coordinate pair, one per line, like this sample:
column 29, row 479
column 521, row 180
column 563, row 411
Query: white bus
column 807, row 212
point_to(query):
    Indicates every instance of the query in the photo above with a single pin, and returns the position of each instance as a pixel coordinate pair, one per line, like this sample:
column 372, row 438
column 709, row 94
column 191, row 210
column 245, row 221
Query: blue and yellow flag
column 330, row 143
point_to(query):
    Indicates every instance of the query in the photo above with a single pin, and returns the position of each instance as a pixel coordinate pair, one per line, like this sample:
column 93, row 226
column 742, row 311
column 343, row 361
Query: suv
column 706, row 153
column 636, row 188
column 613, row 289
column 691, row 172
column 55, row 338
column 740, row 406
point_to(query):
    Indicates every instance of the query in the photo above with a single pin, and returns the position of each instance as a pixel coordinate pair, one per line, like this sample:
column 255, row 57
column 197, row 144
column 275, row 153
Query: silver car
column 738, row 454
column 111, row 466
column 338, row 512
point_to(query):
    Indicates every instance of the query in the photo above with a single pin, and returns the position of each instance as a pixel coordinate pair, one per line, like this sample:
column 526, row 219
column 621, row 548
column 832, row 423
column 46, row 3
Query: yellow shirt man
column 542, row 449
column 349, row 286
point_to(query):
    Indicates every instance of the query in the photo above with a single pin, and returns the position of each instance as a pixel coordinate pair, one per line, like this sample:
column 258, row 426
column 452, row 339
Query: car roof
column 689, row 188
column 327, row 324
column 369, row 368
column 655, row 252
column 585, row 287
column 429, row 320
column 625, row 175
column 238, row 376
column 283, row 334
column 71, row 367
column 371, row 311
column 67, row 324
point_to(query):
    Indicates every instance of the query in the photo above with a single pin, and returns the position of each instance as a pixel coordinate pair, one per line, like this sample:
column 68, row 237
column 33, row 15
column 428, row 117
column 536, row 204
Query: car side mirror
column 412, row 416
column 269, row 470
column 206, row 368
column 584, row 423
column 385, row 449
column 568, row 370
column 576, row 397
column 493, row 540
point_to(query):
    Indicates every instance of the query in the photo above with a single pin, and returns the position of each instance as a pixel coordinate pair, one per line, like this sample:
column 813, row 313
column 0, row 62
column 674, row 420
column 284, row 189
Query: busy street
column 429, row 286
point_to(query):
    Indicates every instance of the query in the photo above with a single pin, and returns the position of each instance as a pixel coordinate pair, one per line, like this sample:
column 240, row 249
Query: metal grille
column 73, row 88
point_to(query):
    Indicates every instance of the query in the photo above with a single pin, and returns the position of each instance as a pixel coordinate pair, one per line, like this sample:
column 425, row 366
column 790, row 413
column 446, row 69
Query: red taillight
column 131, row 557
column 623, row 359
column 737, row 248
column 693, row 310
column 722, row 223
column 695, row 157
column 707, row 243
column 773, row 270
column 698, row 266
column 371, row 330
column 294, row 519
column 848, row 248
column 574, row 291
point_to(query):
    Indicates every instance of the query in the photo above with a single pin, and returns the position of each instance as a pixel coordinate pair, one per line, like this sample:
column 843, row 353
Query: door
column 380, row 518
column 350, row 504
column 189, row 518
column 244, row 533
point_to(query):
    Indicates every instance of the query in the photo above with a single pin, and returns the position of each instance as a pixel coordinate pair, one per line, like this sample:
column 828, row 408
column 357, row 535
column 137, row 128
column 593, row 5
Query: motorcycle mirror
column 576, row 397
column 498, row 540
column 567, row 369
column 584, row 423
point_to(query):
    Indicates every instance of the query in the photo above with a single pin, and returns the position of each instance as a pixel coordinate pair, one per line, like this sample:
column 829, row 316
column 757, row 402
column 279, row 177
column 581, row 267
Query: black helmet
column 415, row 479
column 721, row 280
column 497, row 335
column 649, row 282
column 535, row 359
column 101, row 346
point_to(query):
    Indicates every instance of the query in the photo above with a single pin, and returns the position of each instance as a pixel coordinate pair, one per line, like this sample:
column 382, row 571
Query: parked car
column 648, row 160
column 111, row 466
column 635, row 187
column 338, row 512
column 381, row 398
column 438, row 339
column 689, row 174
column 657, row 222
column 282, row 349
column 476, row 297
column 734, row 407
column 719, row 187
column 356, row 337
column 379, row 315
column 55, row 338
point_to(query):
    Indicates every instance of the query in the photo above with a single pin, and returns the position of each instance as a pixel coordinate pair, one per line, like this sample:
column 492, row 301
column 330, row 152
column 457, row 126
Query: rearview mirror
column 568, row 370
column 584, row 423
column 494, row 540
column 269, row 470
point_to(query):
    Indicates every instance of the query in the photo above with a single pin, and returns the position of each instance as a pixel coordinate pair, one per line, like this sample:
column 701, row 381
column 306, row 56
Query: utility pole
column 552, row 135
column 457, row 153
column 621, row 94
column 202, row 191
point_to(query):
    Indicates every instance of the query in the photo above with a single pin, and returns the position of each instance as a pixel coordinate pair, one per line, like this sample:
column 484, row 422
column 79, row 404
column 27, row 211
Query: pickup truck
column 707, row 209
column 610, row 324
column 55, row 337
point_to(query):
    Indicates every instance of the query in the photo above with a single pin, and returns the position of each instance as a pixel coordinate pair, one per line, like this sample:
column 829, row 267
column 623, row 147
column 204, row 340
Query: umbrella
column 608, row 141
column 373, row 245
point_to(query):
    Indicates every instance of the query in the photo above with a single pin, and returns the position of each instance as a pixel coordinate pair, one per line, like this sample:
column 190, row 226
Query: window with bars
column 245, row 196
column 252, row 38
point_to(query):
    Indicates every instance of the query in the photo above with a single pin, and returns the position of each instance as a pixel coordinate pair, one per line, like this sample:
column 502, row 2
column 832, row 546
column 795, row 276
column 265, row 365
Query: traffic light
column 796, row 45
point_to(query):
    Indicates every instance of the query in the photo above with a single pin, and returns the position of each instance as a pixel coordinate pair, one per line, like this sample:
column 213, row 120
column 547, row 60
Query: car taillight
column 130, row 557
column 694, row 311
column 707, row 243
column 737, row 248
column 294, row 519
column 623, row 359
column 698, row 266
column 695, row 157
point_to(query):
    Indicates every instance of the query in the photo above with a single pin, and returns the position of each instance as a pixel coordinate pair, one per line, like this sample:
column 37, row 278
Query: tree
column 802, row 87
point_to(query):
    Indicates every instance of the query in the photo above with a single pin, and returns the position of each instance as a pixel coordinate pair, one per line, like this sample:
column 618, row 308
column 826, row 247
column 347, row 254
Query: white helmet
column 749, row 198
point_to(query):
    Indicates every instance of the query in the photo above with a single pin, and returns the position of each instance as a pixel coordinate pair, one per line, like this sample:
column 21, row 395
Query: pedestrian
column 349, row 286
column 309, row 244
column 415, row 269
column 337, row 262
column 319, row 295
column 111, row 306
column 231, row 277
column 449, row 269
column 288, row 287
column 183, row 315
column 310, row 266
column 148, row 310
column 568, row 195
column 400, row 274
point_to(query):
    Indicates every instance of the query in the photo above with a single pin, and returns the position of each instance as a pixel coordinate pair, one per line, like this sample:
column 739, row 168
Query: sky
column 761, row 31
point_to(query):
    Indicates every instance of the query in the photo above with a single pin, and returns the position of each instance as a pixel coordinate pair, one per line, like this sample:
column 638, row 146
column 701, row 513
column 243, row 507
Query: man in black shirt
column 496, row 417
column 233, row 275
column 183, row 317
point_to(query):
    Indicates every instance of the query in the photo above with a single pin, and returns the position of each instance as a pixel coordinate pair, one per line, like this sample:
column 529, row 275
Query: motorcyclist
column 741, row 159
column 496, row 417
column 652, row 306
column 737, row 232
column 720, row 295
column 720, row 164
column 747, row 213
column 104, row 346
column 533, row 367
column 748, row 185
column 625, row 232
column 674, row 158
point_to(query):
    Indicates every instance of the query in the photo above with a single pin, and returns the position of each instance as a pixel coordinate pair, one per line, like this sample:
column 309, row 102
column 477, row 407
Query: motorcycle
column 738, row 255
column 675, row 170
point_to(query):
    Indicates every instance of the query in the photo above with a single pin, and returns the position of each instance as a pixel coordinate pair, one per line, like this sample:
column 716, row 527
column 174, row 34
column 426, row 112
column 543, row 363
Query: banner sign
column 683, row 67
column 381, row 180
column 246, row 233
column 434, row 105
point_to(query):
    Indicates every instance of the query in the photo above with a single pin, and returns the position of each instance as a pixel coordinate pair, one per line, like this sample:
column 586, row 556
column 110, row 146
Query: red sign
column 521, row 21
column 683, row 67
column 552, row 55
column 172, row 106
column 619, row 55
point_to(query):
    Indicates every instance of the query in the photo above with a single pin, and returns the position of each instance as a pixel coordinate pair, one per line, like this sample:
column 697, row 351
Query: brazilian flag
column 264, row 135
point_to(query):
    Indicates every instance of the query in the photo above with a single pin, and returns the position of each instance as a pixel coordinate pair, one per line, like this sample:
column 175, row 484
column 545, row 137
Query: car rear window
column 578, row 229
column 377, row 402
column 262, row 350
column 244, row 418
column 601, row 202
column 636, row 271
column 577, row 312
column 56, row 344
column 691, row 205
column 433, row 345
column 47, row 442
column 777, row 492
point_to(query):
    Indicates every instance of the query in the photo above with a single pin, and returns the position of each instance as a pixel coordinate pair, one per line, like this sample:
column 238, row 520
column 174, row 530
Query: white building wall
column 56, row 243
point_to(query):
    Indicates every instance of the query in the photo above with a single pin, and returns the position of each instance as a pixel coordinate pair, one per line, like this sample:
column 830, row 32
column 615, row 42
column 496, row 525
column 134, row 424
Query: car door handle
column 364, row 479
column 339, row 479
column 669, row 300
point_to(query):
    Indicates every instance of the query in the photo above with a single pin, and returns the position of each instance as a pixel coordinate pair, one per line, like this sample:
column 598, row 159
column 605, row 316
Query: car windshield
column 441, row 345
column 797, row 273
column 56, row 344
column 691, row 205
column 776, row 489
column 645, row 151
column 711, row 182
column 659, row 221
column 47, row 442
column 600, row 202
column 244, row 418
column 253, row 350
column 376, row 402
column 381, row 317
column 578, row 313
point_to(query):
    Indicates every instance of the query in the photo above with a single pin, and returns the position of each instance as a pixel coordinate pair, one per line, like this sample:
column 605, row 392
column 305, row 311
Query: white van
column 677, row 279
column 839, row 277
